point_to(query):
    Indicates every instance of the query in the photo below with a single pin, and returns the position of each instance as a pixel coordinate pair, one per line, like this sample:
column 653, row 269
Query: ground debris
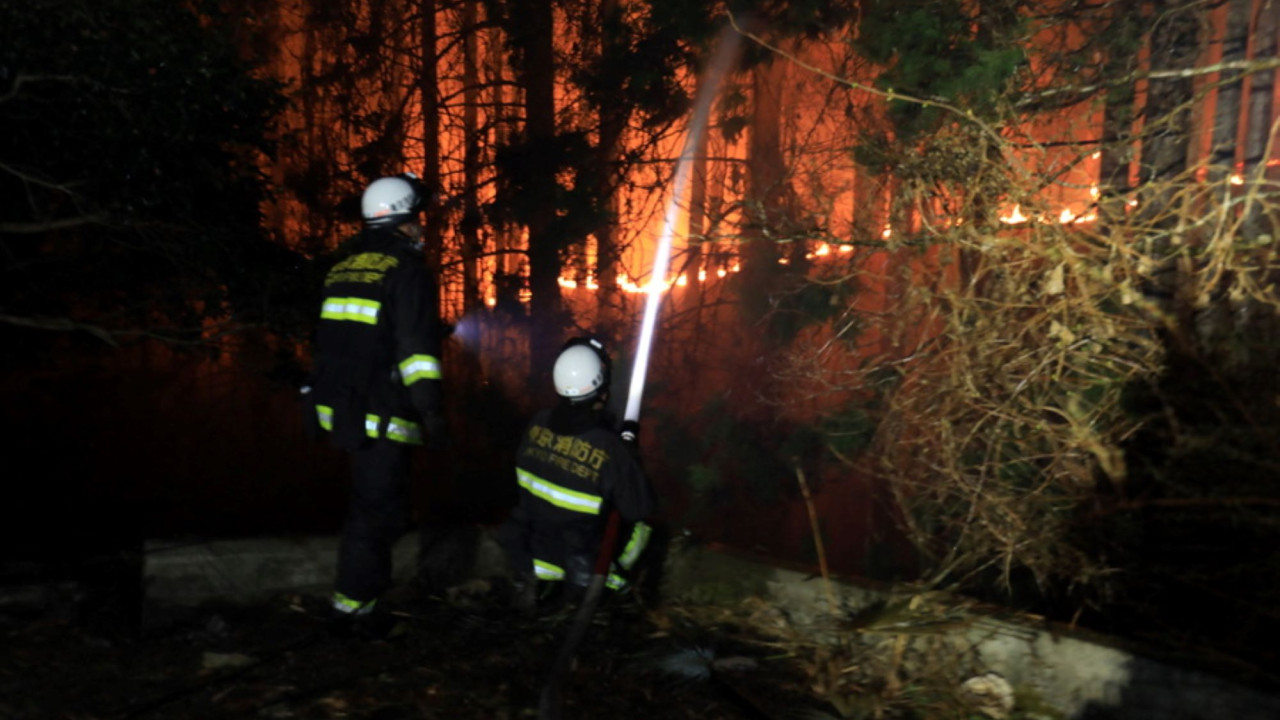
column 276, row 659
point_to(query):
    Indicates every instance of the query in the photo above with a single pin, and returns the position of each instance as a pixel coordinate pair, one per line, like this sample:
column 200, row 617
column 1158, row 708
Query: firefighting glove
column 437, row 431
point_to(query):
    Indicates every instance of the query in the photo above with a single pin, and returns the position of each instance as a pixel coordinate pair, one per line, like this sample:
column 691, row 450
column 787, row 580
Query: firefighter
column 573, row 468
column 376, row 384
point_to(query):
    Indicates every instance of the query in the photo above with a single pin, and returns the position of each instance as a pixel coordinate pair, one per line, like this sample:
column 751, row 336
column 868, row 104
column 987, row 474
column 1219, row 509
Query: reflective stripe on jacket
column 568, row 482
column 377, row 365
column 636, row 544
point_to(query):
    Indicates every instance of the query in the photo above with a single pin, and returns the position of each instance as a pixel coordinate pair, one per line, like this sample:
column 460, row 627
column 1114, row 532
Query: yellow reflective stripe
column 402, row 430
column 636, row 545
column 546, row 571
column 342, row 603
column 354, row 309
column 559, row 496
column 419, row 367
column 398, row 429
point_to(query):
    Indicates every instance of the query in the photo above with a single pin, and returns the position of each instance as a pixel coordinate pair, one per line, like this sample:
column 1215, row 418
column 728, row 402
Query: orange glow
column 861, row 200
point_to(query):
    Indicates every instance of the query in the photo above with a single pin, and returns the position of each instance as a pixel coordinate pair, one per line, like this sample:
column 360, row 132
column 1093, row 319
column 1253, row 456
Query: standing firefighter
column 376, row 383
column 573, row 468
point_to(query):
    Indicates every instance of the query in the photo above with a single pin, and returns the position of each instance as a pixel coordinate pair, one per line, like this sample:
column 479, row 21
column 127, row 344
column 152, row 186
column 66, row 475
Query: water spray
column 712, row 78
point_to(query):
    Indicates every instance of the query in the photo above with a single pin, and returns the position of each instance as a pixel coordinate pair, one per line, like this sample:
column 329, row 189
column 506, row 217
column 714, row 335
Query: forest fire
column 912, row 335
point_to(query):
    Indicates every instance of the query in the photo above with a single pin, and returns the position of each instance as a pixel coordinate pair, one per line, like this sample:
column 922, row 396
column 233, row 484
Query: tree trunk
column 697, row 232
column 1174, row 46
column 1257, row 135
column 533, row 35
column 472, row 246
column 507, row 264
column 1226, row 116
column 611, row 121
column 427, row 83
column 766, row 193
column 1118, row 114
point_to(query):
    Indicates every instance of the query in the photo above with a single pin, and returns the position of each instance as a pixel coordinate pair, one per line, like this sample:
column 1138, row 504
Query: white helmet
column 392, row 200
column 581, row 370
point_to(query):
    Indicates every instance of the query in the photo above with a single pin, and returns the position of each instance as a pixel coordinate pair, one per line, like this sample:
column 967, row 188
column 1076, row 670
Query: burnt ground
column 465, row 656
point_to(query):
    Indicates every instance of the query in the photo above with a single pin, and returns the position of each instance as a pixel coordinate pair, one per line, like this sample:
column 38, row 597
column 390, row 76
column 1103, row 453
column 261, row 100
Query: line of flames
column 1014, row 216
column 628, row 285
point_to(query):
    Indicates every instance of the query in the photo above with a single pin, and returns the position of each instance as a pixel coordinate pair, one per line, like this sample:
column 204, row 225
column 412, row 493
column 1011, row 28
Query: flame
column 1015, row 216
column 1066, row 216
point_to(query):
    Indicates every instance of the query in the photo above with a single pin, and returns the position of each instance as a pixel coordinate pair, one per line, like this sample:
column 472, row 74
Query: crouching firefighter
column 573, row 468
column 376, row 382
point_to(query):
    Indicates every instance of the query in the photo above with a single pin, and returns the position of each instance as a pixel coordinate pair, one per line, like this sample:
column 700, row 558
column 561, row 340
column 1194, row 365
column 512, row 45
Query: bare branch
column 21, row 80
column 32, row 228
column 60, row 325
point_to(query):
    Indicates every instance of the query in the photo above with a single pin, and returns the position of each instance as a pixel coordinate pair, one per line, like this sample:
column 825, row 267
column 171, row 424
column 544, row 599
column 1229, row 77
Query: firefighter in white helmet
column 573, row 468
column 376, row 384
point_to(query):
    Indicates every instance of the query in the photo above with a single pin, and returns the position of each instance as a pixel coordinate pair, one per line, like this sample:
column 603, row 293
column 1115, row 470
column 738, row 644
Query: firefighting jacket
column 377, row 368
column 572, row 470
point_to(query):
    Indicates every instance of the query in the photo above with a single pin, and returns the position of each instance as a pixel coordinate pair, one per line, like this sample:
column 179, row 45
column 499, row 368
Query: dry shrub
column 1059, row 399
column 999, row 431
column 1009, row 419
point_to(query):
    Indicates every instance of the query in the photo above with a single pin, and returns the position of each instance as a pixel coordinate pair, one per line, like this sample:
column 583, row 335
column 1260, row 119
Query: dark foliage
column 129, row 139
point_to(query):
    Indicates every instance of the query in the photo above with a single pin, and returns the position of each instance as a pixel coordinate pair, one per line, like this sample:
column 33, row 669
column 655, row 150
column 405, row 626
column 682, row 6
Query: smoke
column 467, row 330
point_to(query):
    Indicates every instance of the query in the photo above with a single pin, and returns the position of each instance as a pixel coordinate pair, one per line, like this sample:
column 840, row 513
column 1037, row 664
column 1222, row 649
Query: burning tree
column 1062, row 329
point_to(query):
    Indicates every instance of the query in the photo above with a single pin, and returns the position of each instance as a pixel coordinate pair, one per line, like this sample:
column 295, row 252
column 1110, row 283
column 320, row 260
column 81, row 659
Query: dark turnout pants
column 377, row 515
